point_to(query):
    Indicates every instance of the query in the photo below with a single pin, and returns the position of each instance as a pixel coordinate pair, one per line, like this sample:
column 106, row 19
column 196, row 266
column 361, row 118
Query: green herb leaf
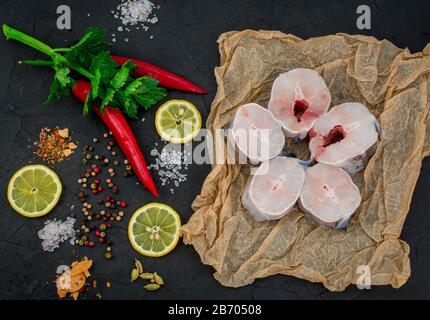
column 148, row 82
column 79, row 58
column 104, row 64
column 62, row 75
column 93, row 38
column 133, row 86
column 56, row 91
column 108, row 96
column 131, row 108
column 148, row 93
column 95, row 84
column 90, row 45
column 148, row 96
column 88, row 103
column 120, row 78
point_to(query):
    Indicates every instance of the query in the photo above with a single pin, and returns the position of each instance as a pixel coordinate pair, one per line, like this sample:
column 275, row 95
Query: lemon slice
column 34, row 190
column 154, row 229
column 178, row 121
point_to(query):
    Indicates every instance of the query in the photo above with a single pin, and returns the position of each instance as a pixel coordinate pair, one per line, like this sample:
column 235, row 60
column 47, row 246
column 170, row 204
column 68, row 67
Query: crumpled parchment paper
column 395, row 86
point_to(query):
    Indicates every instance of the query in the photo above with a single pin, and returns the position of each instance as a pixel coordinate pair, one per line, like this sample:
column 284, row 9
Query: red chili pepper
column 120, row 129
column 167, row 79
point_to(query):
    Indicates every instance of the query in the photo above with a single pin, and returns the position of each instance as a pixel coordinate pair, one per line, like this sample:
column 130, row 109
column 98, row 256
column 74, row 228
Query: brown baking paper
column 394, row 84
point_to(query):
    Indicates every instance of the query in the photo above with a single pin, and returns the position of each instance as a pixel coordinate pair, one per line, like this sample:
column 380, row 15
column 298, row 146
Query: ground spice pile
column 54, row 145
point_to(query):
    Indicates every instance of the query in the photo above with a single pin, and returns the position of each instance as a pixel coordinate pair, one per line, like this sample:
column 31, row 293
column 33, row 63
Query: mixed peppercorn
column 99, row 215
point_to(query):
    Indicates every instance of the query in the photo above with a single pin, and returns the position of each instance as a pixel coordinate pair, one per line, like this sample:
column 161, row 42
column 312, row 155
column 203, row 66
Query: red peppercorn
column 97, row 233
column 91, row 244
column 123, row 204
column 109, row 225
column 108, row 198
column 97, row 170
column 88, row 170
column 108, row 180
column 101, row 240
column 86, row 243
column 97, row 181
column 94, row 191
column 100, row 189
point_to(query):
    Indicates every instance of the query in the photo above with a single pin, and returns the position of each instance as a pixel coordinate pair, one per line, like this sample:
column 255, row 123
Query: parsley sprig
column 111, row 83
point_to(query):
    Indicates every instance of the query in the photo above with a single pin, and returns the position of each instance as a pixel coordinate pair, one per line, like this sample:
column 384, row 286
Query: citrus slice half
column 34, row 190
column 178, row 121
column 154, row 229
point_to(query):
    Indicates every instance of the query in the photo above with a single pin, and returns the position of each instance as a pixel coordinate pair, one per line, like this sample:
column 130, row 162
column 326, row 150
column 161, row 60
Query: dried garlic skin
column 72, row 281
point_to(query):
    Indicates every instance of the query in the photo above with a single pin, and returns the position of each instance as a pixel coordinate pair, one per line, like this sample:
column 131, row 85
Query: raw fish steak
column 298, row 98
column 256, row 133
column 329, row 195
column 273, row 189
column 346, row 137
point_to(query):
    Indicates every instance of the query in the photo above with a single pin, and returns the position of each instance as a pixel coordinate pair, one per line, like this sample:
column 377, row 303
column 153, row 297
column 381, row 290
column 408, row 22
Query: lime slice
column 153, row 230
column 34, row 190
column 178, row 121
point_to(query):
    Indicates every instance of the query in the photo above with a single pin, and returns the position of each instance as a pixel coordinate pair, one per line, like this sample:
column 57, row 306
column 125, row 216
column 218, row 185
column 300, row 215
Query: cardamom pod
column 158, row 279
column 152, row 286
column 134, row 274
column 147, row 276
column 138, row 265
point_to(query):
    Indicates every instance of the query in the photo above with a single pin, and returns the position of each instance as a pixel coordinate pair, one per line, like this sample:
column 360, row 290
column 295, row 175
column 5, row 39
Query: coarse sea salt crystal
column 170, row 166
column 55, row 232
column 136, row 13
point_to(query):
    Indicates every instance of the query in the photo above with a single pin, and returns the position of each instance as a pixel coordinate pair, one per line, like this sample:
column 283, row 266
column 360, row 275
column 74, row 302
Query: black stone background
column 184, row 42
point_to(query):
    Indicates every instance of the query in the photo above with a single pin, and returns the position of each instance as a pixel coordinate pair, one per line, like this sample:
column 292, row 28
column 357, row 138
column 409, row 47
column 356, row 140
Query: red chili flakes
column 54, row 145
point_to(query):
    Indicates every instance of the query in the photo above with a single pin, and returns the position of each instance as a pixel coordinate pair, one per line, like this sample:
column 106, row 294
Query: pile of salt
column 170, row 165
column 137, row 14
column 55, row 232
